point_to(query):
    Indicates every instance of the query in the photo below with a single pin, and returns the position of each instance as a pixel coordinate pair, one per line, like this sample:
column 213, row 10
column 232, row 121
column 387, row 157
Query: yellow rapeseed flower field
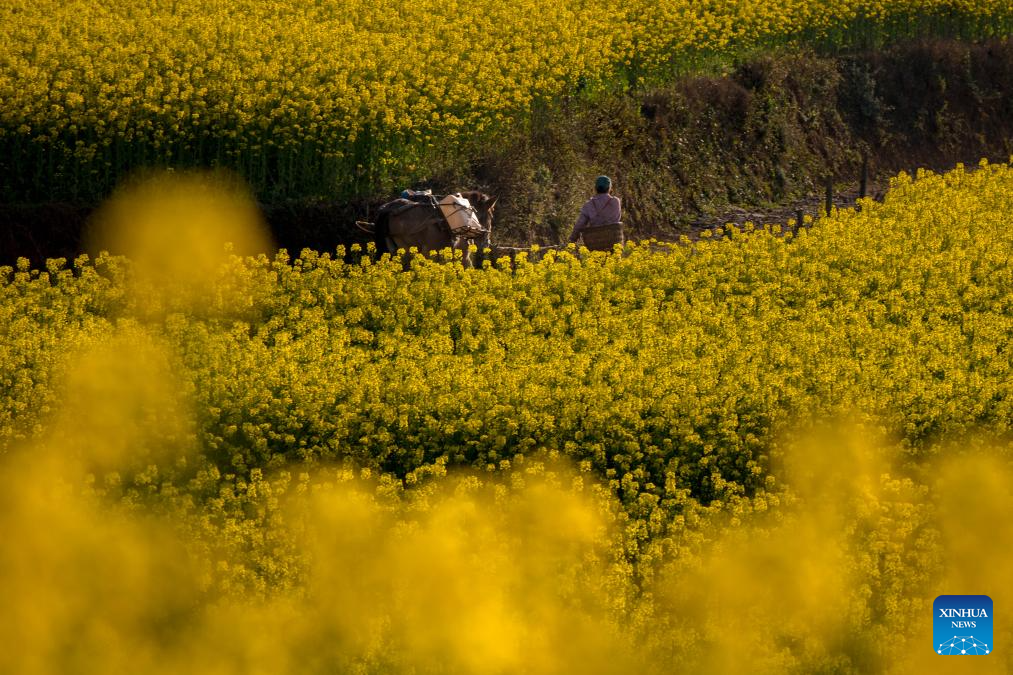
column 754, row 453
column 323, row 97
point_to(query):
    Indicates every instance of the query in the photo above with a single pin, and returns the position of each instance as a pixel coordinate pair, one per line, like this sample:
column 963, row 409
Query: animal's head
column 485, row 207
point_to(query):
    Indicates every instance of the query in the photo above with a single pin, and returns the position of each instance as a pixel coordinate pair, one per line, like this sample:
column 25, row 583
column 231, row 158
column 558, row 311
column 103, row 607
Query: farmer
column 602, row 209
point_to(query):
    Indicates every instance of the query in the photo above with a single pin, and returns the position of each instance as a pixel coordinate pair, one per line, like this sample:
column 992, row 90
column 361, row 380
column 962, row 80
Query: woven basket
column 603, row 237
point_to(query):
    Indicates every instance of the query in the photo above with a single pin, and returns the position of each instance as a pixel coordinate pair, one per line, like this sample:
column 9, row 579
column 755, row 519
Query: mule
column 423, row 227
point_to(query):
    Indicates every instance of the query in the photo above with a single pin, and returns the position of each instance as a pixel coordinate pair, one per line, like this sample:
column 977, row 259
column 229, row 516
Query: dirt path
column 814, row 205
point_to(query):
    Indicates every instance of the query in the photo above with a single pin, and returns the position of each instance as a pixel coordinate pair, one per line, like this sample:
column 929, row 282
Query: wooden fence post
column 829, row 205
column 863, row 183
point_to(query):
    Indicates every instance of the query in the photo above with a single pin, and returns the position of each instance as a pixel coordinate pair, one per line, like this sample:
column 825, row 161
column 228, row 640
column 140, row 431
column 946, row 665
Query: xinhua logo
column 962, row 625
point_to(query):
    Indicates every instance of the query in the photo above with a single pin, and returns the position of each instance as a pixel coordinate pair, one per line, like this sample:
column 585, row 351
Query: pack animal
column 404, row 224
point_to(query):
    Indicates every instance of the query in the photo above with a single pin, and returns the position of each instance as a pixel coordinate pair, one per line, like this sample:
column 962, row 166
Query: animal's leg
column 464, row 245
